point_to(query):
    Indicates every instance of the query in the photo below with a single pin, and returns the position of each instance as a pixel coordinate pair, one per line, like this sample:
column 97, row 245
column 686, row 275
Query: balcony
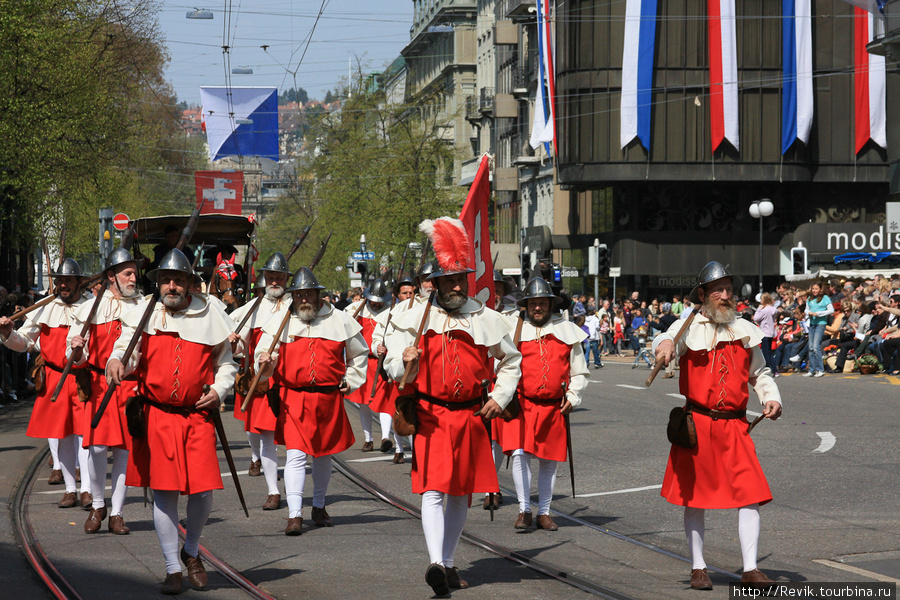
column 472, row 113
column 522, row 78
column 486, row 100
column 517, row 10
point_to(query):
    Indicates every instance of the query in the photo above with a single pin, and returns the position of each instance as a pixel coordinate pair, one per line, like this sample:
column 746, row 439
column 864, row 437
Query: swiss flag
column 219, row 192
column 475, row 217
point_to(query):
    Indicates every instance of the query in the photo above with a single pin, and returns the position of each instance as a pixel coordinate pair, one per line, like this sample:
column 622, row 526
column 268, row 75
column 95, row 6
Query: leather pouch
column 405, row 421
column 134, row 417
column 681, row 430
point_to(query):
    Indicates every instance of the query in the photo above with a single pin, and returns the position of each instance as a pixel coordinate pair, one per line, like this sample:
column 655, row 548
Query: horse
column 225, row 281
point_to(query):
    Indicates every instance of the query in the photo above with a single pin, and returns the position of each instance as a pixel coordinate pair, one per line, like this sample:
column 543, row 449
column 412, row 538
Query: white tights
column 69, row 455
column 365, row 418
column 443, row 526
column 263, row 448
column 295, row 475
column 165, row 520
column 748, row 530
column 521, row 472
column 97, row 472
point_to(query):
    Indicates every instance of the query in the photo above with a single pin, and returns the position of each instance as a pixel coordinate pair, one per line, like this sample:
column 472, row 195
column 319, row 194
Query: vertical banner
column 475, row 217
column 869, row 84
column 723, row 90
column 543, row 130
column 637, row 71
column 219, row 192
column 797, row 87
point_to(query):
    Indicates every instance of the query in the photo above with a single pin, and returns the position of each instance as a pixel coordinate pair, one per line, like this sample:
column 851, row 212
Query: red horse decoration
column 225, row 281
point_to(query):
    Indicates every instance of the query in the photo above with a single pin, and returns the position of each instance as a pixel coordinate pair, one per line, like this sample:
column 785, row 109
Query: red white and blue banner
column 637, row 71
column 872, row 6
column 723, row 79
column 797, row 84
column 475, row 216
column 868, row 83
column 240, row 121
column 542, row 129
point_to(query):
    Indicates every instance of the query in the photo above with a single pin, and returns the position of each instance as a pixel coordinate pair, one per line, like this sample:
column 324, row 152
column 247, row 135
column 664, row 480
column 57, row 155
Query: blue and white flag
column 241, row 121
column 797, row 92
column 542, row 130
column 637, row 71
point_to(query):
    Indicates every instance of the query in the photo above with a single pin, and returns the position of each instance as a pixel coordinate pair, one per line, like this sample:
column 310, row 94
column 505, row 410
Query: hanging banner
column 220, row 192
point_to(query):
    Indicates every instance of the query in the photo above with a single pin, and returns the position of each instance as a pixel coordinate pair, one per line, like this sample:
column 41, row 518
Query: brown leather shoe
column 454, row 581
column 77, row 474
column 399, row 459
column 320, row 517
column 755, row 577
column 386, row 446
column 172, row 584
column 87, row 501
column 368, row 447
column 273, row 502
column 545, row 522
column 255, row 469
column 196, row 573
column 117, row 525
column 524, row 521
column 498, row 499
column 436, row 577
column 94, row 520
column 294, row 526
column 68, row 500
column 700, row 580
column 56, row 477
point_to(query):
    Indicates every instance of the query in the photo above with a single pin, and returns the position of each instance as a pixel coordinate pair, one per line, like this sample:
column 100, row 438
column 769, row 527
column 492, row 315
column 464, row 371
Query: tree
column 370, row 169
column 294, row 95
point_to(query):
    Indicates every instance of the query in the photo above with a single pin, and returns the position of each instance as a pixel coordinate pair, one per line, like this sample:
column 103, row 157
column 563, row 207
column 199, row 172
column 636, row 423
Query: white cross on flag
column 220, row 192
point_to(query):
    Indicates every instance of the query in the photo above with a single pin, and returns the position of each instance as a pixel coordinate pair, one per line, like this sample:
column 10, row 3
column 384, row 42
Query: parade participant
column 553, row 354
column 386, row 392
column 260, row 420
column 184, row 367
column 93, row 351
column 322, row 356
column 45, row 330
column 448, row 374
column 373, row 304
column 718, row 356
column 502, row 302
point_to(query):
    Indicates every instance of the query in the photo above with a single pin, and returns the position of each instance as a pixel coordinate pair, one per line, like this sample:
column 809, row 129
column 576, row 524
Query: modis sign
column 838, row 238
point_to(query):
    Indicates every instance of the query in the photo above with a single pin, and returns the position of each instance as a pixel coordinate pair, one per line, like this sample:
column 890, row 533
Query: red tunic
column 111, row 430
column 452, row 450
column 65, row 416
column 259, row 416
column 239, row 414
column 361, row 395
column 179, row 452
column 313, row 422
column 722, row 470
column 540, row 428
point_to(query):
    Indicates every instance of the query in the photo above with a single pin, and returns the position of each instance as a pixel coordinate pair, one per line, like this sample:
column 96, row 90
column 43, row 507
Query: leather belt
column 714, row 414
column 316, row 389
column 466, row 404
column 184, row 411
column 548, row 401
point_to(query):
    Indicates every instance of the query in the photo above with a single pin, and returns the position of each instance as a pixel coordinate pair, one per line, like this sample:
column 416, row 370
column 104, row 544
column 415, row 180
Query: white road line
column 679, row 396
column 857, row 570
column 373, row 459
column 631, row 387
column 594, row 381
column 639, row 489
column 827, row 442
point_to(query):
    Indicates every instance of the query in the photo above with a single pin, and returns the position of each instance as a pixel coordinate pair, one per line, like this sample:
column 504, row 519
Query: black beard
column 539, row 321
column 452, row 301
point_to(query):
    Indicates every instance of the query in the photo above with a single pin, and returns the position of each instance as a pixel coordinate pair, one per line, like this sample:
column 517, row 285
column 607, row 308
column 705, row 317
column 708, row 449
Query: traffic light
column 798, row 260
column 602, row 258
column 359, row 266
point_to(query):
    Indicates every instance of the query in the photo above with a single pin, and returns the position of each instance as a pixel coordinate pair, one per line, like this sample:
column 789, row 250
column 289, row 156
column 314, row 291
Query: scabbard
column 220, row 431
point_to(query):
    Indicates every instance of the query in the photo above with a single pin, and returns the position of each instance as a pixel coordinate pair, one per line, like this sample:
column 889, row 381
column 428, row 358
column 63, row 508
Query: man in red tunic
column 553, row 356
column 449, row 370
column 366, row 311
column 718, row 356
column 93, row 352
column 259, row 419
column 184, row 367
column 321, row 357
column 61, row 422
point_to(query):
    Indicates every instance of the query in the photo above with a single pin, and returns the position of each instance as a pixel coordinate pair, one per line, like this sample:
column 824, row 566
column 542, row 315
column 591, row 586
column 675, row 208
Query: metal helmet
column 426, row 271
column 260, row 283
column 174, row 260
column 304, row 280
column 69, row 267
column 277, row 262
column 405, row 280
column 119, row 256
column 498, row 278
column 538, row 288
column 377, row 292
column 713, row 271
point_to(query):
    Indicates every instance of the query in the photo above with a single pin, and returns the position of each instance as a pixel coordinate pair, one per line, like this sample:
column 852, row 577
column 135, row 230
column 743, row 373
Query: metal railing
column 486, row 100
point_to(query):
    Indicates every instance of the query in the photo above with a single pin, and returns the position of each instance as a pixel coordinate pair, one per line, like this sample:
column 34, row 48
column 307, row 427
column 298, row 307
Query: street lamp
column 758, row 210
column 199, row 13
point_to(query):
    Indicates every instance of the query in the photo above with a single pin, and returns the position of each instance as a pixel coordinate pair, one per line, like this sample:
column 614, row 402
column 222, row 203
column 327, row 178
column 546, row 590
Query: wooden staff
column 408, row 368
column 755, row 423
column 678, row 336
column 386, row 325
column 422, row 262
column 45, row 301
column 569, row 441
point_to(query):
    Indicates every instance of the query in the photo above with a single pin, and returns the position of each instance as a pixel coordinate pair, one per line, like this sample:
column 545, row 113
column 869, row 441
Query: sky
column 372, row 30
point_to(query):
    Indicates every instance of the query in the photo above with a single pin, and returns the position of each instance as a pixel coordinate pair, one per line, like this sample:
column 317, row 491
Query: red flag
column 220, row 192
column 475, row 218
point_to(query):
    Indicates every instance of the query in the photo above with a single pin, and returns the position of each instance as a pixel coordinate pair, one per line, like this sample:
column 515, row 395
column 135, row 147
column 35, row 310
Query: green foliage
column 375, row 170
column 293, row 95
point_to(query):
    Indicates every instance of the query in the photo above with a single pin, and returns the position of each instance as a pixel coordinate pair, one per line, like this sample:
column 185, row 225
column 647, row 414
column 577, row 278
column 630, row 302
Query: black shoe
column 436, row 577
